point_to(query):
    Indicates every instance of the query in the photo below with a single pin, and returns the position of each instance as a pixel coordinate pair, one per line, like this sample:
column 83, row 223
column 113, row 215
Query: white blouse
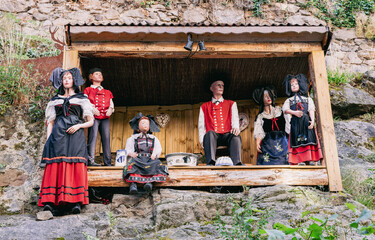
column 85, row 104
column 258, row 126
column 130, row 144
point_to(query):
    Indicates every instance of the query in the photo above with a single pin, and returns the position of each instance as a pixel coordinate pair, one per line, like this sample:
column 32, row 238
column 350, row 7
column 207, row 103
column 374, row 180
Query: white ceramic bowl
column 181, row 159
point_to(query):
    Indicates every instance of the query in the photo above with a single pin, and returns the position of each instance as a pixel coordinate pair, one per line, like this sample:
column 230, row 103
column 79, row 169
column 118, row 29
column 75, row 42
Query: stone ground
column 178, row 214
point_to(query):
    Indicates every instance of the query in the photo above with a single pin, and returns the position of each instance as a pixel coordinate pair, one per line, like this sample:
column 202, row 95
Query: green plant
column 112, row 219
column 317, row 228
column 361, row 189
column 247, row 222
column 147, row 4
column 337, row 77
column 89, row 237
column 257, row 7
column 343, row 12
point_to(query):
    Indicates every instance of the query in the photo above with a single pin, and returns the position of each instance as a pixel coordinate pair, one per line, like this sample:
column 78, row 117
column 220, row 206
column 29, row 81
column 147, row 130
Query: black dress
column 274, row 145
column 65, row 155
column 143, row 169
column 303, row 142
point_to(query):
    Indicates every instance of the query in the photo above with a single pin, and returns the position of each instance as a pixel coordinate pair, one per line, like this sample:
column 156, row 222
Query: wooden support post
column 324, row 118
column 71, row 58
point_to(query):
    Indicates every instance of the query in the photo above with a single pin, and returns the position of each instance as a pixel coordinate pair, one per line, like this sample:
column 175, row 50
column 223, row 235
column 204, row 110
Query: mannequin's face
column 267, row 101
column 217, row 88
column 96, row 77
column 68, row 80
column 144, row 125
column 294, row 85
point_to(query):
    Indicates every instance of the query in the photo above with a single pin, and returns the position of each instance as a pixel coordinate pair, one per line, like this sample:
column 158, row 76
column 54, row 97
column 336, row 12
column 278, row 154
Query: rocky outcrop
column 20, row 174
column 351, row 50
column 177, row 214
column 348, row 101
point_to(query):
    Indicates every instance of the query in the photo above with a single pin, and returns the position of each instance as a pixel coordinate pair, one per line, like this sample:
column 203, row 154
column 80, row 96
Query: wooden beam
column 325, row 119
column 71, row 58
column 214, row 49
column 219, row 176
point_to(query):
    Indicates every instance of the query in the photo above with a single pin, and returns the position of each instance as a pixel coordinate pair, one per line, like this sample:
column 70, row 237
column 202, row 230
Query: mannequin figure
column 303, row 142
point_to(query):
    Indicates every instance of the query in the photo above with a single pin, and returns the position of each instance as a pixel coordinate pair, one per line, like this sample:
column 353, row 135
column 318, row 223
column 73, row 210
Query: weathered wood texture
column 324, row 119
column 219, row 176
column 181, row 133
column 70, row 59
column 214, row 49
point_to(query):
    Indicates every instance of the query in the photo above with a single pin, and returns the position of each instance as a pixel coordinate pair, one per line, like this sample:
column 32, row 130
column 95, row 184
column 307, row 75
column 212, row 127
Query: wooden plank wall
column 181, row 133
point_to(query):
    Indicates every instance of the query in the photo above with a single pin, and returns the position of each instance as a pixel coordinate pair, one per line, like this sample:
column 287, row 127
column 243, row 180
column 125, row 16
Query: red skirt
column 64, row 183
column 305, row 153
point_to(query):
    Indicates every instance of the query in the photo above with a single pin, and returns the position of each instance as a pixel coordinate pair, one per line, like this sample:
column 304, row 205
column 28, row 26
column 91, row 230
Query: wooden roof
column 140, row 77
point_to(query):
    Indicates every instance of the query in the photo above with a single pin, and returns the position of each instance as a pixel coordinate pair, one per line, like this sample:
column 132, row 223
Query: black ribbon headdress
column 303, row 83
column 58, row 73
column 258, row 95
column 134, row 123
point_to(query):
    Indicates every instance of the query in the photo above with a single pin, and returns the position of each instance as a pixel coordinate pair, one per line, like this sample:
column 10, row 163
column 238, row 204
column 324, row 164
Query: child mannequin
column 144, row 149
column 303, row 142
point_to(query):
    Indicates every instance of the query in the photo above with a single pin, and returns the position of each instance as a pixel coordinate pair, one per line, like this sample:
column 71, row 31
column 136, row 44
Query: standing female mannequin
column 303, row 142
column 64, row 185
column 269, row 129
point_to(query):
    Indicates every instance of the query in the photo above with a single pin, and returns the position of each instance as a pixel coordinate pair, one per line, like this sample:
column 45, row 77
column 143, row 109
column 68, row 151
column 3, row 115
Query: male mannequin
column 218, row 125
column 104, row 107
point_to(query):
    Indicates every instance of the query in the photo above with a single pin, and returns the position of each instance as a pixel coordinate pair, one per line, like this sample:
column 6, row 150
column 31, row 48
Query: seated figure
column 144, row 150
column 218, row 124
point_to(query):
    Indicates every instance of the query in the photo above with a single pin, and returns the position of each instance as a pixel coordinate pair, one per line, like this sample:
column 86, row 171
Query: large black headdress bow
column 58, row 73
column 303, row 83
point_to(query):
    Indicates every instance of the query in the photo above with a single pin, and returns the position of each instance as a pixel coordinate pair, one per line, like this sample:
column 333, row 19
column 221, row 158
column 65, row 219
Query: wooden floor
column 220, row 176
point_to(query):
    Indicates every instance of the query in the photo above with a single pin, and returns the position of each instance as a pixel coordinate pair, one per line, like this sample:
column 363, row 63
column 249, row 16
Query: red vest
column 101, row 100
column 218, row 118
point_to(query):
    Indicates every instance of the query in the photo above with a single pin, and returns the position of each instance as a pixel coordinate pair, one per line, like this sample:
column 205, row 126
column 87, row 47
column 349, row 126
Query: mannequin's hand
column 109, row 112
column 298, row 113
column 96, row 112
column 133, row 154
column 153, row 156
column 73, row 128
column 258, row 148
column 311, row 126
column 202, row 145
column 235, row 131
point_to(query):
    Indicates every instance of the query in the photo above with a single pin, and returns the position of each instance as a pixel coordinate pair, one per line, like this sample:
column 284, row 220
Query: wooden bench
column 219, row 176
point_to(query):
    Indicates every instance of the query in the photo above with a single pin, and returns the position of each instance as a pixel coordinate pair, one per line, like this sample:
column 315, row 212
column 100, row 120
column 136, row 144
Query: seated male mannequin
column 218, row 125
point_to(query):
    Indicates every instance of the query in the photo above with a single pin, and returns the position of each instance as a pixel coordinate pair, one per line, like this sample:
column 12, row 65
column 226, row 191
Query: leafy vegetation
column 361, row 189
column 247, row 222
column 342, row 13
column 337, row 77
column 19, row 83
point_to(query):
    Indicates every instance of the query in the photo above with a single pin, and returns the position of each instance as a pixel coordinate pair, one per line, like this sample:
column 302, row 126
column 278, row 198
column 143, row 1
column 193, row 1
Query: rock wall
column 177, row 214
column 350, row 50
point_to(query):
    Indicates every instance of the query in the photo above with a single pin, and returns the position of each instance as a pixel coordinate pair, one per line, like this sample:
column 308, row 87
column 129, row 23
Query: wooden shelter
column 147, row 69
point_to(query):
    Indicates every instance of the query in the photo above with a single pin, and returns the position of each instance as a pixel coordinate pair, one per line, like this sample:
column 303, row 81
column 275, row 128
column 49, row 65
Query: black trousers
column 212, row 140
column 103, row 127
